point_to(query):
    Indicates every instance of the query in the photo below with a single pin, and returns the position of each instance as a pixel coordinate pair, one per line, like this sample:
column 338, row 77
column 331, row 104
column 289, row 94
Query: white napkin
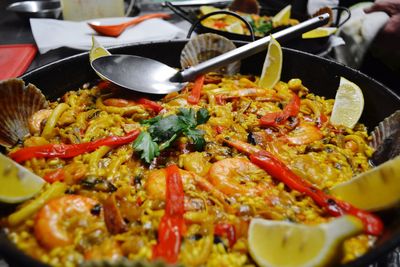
column 358, row 33
column 51, row 34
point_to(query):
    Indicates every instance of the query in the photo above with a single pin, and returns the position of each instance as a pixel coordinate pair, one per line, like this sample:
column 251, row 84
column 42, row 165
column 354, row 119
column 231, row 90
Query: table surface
column 13, row 30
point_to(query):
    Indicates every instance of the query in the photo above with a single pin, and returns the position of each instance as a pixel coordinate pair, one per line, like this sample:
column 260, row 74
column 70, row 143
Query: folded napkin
column 358, row 34
column 15, row 59
column 50, row 33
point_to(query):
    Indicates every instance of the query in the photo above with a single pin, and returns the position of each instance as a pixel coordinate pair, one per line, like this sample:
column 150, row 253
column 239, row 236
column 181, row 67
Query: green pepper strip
column 172, row 225
column 70, row 151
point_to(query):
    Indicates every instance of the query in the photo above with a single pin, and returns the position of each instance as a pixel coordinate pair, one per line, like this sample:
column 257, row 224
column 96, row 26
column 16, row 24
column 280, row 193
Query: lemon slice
column 271, row 72
column 208, row 9
column 284, row 244
column 97, row 51
column 17, row 183
column 319, row 32
column 349, row 104
column 282, row 17
column 376, row 189
column 235, row 27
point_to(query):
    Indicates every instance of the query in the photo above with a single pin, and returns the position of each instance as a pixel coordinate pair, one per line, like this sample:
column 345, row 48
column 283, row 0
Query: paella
column 180, row 178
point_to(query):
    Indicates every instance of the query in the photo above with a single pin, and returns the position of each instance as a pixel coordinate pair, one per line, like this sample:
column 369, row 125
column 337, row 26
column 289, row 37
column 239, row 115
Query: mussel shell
column 386, row 139
column 18, row 103
column 206, row 46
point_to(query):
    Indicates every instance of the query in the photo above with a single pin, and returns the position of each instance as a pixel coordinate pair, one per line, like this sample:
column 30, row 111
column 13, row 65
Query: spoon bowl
column 153, row 77
column 115, row 30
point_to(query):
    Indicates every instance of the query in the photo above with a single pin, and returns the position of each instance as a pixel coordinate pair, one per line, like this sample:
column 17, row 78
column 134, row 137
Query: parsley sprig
column 163, row 131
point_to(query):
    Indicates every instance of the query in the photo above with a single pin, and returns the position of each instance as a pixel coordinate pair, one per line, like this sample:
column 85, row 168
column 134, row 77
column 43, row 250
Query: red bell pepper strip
column 228, row 230
column 150, row 104
column 172, row 225
column 69, row 151
column 54, row 176
column 277, row 169
column 276, row 118
column 195, row 94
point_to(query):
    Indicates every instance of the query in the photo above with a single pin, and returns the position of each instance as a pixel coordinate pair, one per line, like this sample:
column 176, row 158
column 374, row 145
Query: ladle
column 153, row 77
column 116, row 29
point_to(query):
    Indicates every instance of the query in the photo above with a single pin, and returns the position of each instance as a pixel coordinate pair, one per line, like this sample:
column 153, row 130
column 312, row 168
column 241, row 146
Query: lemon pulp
column 17, row 183
column 319, row 32
column 376, row 189
column 349, row 104
column 282, row 17
column 271, row 72
column 284, row 244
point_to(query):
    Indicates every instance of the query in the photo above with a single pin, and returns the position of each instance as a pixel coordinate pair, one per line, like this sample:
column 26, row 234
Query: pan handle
column 194, row 25
column 179, row 11
column 339, row 14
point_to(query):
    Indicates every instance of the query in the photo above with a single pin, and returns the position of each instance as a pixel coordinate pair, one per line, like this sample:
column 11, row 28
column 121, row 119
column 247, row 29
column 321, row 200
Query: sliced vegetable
column 172, row 225
column 195, row 94
column 70, row 151
column 276, row 118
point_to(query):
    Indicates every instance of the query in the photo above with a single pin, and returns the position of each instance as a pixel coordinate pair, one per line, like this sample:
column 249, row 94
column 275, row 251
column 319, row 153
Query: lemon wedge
column 271, row 72
column 282, row 17
column 319, row 32
column 349, row 104
column 204, row 10
column 235, row 27
column 376, row 189
column 17, row 184
column 284, row 244
column 97, row 51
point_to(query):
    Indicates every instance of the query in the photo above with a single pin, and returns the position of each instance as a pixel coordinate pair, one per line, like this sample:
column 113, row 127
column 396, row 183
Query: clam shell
column 206, row 46
column 386, row 139
column 18, row 102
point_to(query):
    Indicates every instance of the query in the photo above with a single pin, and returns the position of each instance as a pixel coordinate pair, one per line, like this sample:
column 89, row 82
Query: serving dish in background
column 193, row 15
column 36, row 9
column 321, row 76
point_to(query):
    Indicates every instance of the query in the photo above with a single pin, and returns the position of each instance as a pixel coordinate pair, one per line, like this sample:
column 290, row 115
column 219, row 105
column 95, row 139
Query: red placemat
column 15, row 59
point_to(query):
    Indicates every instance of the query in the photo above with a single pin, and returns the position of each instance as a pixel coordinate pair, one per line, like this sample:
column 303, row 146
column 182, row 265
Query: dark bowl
column 313, row 45
column 320, row 75
column 36, row 9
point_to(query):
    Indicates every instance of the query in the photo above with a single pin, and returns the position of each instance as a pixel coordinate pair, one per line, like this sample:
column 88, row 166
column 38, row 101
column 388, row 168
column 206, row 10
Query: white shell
column 18, row 103
column 206, row 46
column 386, row 139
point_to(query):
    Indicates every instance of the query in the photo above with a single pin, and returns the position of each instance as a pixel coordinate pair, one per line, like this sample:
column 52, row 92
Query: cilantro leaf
column 146, row 147
column 163, row 131
column 196, row 136
column 202, row 116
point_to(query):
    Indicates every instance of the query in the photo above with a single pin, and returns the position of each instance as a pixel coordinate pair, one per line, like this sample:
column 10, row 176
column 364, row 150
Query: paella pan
column 122, row 187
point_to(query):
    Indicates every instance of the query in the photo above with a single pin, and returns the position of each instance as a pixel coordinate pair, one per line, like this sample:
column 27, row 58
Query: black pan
column 314, row 45
column 321, row 76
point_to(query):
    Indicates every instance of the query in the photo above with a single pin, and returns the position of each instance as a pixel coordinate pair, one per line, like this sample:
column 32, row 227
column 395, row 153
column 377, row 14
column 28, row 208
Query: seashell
column 206, row 46
column 18, row 103
column 386, row 139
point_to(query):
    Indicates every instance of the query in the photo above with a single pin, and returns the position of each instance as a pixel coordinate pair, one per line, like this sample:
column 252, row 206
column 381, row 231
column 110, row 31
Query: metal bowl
column 36, row 9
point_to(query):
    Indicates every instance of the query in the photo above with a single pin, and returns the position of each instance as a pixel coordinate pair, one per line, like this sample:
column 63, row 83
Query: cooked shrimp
column 35, row 121
column 59, row 216
column 304, row 134
column 233, row 176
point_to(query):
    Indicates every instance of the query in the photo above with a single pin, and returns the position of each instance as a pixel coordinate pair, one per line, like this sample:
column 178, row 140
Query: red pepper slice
column 195, row 94
column 70, row 151
column 277, row 169
column 277, row 118
column 228, row 230
column 54, row 176
column 150, row 104
column 172, row 225
column 220, row 24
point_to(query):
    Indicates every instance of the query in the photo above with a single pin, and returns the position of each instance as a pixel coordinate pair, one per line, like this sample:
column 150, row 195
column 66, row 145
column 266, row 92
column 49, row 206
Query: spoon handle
column 249, row 49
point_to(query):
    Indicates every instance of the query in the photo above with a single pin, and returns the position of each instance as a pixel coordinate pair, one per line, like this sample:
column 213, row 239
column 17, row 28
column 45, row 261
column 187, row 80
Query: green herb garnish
column 163, row 131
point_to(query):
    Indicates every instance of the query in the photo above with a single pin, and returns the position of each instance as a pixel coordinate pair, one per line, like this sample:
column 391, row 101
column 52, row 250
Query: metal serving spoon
column 153, row 77
column 116, row 29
